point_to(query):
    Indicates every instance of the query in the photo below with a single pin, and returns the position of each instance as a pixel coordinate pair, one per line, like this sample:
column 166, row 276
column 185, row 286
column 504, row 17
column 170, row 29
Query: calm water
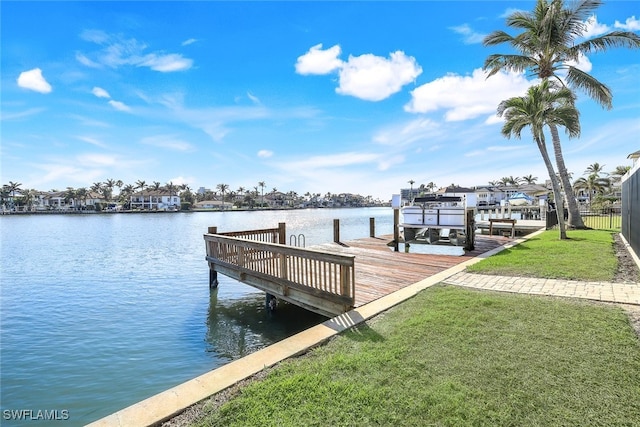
column 101, row 311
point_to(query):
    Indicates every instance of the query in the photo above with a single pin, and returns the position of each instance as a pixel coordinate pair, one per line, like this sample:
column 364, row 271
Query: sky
column 340, row 97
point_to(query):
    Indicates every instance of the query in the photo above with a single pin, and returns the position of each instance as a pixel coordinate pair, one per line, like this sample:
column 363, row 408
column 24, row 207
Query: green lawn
column 586, row 255
column 457, row 357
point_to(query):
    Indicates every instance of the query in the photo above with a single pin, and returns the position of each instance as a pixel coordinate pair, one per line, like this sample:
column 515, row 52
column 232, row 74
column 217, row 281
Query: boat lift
column 439, row 219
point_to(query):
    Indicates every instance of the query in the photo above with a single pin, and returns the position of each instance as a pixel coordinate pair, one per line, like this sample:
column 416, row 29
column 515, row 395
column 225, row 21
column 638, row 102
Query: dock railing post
column 396, row 229
column 282, row 233
column 212, row 230
column 372, row 227
column 336, row 230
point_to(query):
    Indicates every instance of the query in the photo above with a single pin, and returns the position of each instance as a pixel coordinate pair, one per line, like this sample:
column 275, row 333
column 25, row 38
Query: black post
column 213, row 279
column 336, row 230
column 372, row 227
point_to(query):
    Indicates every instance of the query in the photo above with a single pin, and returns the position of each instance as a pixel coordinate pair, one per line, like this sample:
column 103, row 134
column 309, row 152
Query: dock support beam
column 372, row 227
column 213, row 279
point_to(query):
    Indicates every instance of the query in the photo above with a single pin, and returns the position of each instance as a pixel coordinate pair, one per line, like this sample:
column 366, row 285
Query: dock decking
column 380, row 271
column 329, row 279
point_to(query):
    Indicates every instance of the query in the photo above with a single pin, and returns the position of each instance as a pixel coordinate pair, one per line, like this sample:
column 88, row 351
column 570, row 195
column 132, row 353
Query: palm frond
column 591, row 86
column 612, row 39
column 497, row 62
column 497, row 37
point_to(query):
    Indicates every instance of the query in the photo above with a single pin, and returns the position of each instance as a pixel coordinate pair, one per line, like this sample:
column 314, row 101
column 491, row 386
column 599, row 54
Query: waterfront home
column 153, row 200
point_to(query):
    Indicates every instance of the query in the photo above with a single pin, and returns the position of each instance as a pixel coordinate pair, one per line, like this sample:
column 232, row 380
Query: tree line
column 242, row 197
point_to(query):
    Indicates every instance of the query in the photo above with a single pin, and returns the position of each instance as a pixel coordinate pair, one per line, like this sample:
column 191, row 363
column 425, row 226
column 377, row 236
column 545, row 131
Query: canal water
column 101, row 311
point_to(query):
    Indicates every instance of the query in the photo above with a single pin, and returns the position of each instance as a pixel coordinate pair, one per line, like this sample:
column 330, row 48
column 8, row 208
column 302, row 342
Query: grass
column 457, row 357
column 586, row 255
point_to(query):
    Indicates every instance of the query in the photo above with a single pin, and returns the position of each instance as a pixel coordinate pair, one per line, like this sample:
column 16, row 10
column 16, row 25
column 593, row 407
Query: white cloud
column 166, row 63
column 265, row 154
column 374, row 78
column 92, row 141
column 188, row 42
column 254, row 98
column 467, row 97
column 100, row 93
column 117, row 51
column 470, row 36
column 336, row 160
column 318, row 61
column 368, row 77
column 582, row 64
column 420, row 129
column 33, row 80
column 167, row 141
column 97, row 160
column 593, row 28
column 120, row 106
column 86, row 61
column 631, row 24
column 20, row 114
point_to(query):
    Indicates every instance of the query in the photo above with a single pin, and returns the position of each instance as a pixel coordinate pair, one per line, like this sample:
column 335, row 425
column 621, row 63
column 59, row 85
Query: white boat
column 520, row 199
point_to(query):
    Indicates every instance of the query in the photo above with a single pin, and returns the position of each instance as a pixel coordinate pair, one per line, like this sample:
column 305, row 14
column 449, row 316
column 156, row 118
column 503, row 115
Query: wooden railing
column 268, row 235
column 319, row 281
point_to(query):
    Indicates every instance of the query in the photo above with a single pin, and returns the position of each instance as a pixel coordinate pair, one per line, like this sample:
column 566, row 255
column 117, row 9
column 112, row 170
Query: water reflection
column 238, row 327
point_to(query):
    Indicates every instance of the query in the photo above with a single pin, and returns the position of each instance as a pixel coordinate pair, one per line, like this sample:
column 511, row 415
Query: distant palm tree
column 126, row 193
column 544, row 104
column 530, row 179
column 140, row 185
column 82, row 195
column 172, row 189
column 156, row 186
column 594, row 169
column 411, row 182
column 223, row 188
column 621, row 171
column 550, row 44
column 592, row 184
column 13, row 187
column 261, row 184
column 70, row 196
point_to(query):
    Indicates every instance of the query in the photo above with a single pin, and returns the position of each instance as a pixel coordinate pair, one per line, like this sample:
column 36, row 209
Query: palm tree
column 411, row 182
column 261, row 184
column 595, row 169
column 140, row 185
column 172, row 189
column 592, row 184
column 223, row 188
column 82, row 194
column 530, row 179
column 156, row 186
column 108, row 189
column 547, row 47
column 13, row 187
column 542, row 106
column 70, row 196
column 126, row 192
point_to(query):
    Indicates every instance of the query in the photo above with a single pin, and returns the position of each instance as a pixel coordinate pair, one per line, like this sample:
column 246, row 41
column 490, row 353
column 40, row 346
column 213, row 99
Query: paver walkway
column 627, row 293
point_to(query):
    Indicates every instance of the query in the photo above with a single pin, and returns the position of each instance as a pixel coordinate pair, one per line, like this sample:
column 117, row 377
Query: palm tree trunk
column 575, row 220
column 556, row 187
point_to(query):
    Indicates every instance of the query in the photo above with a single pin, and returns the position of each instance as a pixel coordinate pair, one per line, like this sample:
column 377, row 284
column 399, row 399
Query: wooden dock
column 328, row 279
column 380, row 271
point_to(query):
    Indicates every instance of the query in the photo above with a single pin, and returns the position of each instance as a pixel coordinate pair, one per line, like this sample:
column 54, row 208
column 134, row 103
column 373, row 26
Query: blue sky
column 356, row 97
